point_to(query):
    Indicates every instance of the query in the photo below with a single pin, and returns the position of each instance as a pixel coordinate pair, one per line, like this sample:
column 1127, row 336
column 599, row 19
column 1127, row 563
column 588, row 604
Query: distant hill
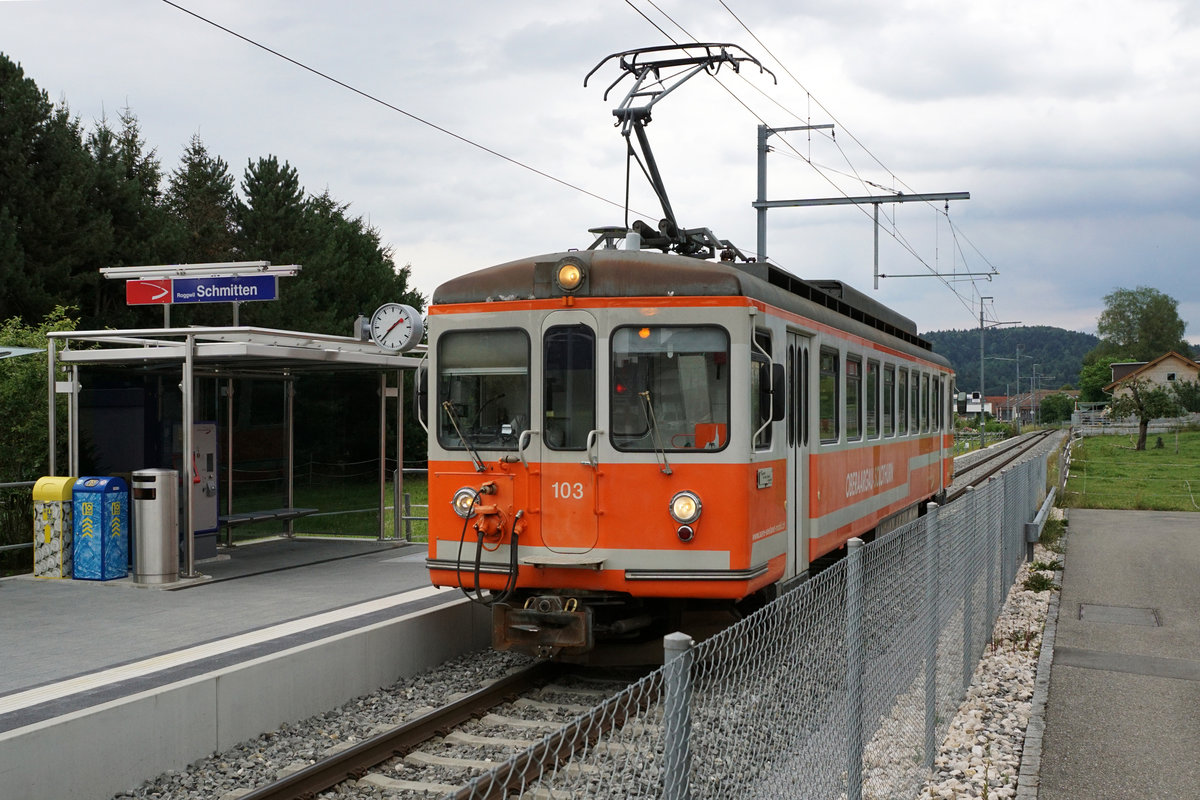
column 1057, row 352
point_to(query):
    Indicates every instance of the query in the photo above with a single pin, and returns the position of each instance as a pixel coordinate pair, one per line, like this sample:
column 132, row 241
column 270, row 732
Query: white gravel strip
column 993, row 748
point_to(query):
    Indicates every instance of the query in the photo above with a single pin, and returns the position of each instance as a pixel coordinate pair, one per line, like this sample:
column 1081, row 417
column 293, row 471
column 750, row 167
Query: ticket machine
column 204, row 488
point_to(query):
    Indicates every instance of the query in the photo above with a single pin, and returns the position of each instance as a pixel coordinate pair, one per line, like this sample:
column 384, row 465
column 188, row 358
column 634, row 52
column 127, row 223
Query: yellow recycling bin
column 53, row 529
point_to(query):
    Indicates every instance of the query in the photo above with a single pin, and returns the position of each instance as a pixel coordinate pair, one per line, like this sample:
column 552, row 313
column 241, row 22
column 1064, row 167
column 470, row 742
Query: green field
column 1106, row 472
column 345, row 508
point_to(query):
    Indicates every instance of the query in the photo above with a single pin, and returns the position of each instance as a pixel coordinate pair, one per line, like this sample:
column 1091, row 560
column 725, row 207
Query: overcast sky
column 1075, row 126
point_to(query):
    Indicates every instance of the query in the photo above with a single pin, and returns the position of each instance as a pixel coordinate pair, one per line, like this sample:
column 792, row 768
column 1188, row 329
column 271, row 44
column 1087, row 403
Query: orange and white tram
column 617, row 436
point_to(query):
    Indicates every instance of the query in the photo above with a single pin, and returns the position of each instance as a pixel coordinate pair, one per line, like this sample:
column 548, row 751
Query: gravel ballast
column 982, row 755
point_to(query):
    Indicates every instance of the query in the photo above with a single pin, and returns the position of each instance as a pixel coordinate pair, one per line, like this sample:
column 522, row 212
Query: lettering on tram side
column 776, row 528
column 870, row 479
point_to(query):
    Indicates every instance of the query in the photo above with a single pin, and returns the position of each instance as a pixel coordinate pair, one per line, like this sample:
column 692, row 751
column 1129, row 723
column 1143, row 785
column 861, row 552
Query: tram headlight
column 569, row 275
column 464, row 502
column 685, row 508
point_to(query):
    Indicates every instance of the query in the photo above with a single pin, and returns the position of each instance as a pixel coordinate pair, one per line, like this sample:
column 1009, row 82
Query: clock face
column 395, row 326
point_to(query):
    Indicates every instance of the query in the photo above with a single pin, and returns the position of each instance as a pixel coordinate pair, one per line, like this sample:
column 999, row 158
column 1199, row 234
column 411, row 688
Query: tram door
column 570, row 438
column 798, row 384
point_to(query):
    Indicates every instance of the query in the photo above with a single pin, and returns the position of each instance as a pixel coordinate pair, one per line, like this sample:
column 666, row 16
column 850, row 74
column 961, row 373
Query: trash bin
column 101, row 551
column 155, row 526
column 53, row 534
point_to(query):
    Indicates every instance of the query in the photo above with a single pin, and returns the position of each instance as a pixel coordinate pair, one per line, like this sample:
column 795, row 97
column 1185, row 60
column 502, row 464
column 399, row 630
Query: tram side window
column 924, row 402
column 914, row 402
column 902, row 407
column 804, row 398
column 569, row 386
column 793, row 403
column 853, row 397
column 889, row 400
column 670, row 388
column 482, row 389
column 830, row 401
column 873, row 399
column 935, row 403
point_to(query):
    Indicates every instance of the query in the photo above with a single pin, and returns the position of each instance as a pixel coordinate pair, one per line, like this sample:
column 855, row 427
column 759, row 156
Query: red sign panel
column 145, row 292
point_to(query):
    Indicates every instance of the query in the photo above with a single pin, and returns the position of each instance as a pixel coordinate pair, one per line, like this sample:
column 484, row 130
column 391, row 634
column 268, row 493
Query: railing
column 1092, row 424
column 16, row 527
column 843, row 687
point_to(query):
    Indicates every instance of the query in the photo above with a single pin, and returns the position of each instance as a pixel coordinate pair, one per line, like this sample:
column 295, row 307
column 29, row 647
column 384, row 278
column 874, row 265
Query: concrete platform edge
column 109, row 748
column 1028, row 784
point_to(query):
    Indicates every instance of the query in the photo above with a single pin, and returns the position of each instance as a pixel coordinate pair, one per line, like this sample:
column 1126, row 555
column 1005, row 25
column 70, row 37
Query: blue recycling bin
column 101, row 511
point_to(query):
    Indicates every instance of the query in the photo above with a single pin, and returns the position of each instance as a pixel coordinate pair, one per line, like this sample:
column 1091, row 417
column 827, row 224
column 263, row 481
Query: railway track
column 461, row 739
column 981, row 467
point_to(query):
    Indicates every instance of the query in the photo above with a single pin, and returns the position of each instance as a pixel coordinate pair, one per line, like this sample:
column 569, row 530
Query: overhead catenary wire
column 542, row 173
column 386, row 104
column 895, row 233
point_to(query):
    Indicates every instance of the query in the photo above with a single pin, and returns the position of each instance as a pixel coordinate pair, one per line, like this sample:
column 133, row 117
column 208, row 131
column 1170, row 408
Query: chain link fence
column 841, row 688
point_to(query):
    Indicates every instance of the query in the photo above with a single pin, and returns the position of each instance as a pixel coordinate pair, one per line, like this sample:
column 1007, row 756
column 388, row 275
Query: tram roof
column 624, row 273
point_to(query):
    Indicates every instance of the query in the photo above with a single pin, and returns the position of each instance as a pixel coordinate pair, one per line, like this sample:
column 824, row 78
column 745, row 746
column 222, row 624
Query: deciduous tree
column 1094, row 376
column 1141, row 323
column 23, row 398
column 1146, row 401
column 1187, row 394
column 1055, row 408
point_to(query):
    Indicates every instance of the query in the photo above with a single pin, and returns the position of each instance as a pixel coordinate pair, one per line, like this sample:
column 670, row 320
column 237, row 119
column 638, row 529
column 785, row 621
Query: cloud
column 1071, row 123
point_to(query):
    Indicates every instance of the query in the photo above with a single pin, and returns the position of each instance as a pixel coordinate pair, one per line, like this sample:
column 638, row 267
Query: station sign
column 208, row 289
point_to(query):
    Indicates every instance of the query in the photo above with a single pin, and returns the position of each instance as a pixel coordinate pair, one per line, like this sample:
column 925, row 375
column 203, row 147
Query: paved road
column 1123, row 713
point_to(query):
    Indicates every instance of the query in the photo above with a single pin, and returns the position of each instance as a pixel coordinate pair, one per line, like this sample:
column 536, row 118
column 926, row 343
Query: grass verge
column 1106, row 472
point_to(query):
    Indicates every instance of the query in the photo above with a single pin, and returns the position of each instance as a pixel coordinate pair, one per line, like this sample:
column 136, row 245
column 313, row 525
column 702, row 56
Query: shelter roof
column 231, row 351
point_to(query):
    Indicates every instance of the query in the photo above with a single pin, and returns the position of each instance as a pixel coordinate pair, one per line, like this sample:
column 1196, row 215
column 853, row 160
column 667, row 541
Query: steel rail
column 558, row 748
column 994, row 463
column 356, row 761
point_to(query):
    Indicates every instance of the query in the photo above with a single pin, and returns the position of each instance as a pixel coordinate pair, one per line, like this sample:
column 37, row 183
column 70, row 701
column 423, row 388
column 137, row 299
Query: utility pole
column 762, row 203
column 1018, row 390
column 982, row 382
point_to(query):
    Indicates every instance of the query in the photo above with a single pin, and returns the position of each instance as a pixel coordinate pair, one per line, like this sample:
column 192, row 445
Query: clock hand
column 394, row 324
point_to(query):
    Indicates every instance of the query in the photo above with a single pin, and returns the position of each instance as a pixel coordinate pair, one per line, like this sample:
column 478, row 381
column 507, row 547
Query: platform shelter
column 225, row 354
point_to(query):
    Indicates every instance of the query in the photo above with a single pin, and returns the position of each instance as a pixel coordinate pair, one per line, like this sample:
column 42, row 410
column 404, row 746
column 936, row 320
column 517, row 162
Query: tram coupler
column 546, row 626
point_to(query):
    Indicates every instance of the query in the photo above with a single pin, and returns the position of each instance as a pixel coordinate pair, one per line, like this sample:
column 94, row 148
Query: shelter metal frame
column 224, row 352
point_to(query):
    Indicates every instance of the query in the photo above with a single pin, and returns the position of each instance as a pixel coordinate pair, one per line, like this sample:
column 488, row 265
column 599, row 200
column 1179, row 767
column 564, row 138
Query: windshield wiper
column 448, row 407
column 653, row 422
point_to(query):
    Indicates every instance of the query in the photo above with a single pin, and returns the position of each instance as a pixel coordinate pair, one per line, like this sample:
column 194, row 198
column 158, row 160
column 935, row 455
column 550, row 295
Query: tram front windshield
column 483, row 388
column 670, row 388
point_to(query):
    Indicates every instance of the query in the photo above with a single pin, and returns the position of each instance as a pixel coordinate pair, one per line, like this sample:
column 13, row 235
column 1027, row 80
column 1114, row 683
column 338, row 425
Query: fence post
column 931, row 633
column 407, row 517
column 1008, row 540
column 854, row 668
column 677, row 715
column 989, row 551
column 968, row 604
column 397, row 484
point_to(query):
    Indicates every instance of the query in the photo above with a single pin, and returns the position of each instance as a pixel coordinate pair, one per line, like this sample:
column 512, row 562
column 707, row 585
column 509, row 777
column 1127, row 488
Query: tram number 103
column 565, row 490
